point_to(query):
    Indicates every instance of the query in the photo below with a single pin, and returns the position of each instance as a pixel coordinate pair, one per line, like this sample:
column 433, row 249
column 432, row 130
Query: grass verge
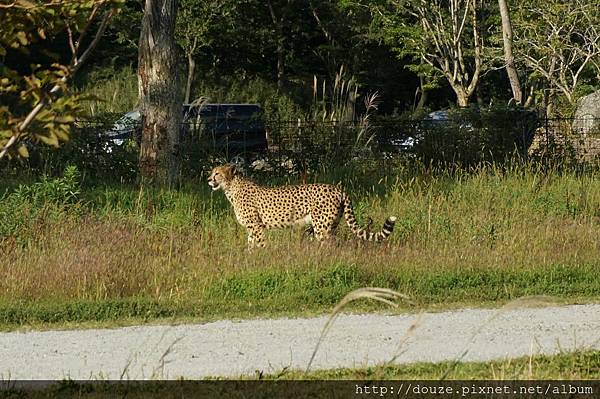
column 574, row 366
column 518, row 373
column 302, row 293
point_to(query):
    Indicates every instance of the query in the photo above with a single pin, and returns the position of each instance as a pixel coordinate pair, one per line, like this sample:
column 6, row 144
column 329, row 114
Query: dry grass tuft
column 382, row 295
column 524, row 302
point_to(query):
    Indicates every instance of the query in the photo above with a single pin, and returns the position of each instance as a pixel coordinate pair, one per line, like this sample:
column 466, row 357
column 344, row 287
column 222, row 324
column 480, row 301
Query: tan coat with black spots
column 258, row 208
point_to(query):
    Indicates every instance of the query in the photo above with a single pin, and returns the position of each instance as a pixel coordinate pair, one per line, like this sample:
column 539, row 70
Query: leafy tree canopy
column 36, row 105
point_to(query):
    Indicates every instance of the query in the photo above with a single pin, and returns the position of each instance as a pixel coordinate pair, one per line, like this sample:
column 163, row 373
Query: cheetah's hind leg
column 308, row 233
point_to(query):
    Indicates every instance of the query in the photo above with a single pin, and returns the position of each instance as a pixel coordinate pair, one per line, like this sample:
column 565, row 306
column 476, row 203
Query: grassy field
column 113, row 254
column 567, row 366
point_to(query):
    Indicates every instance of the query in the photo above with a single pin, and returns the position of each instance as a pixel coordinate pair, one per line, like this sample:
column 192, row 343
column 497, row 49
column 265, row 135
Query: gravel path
column 230, row 348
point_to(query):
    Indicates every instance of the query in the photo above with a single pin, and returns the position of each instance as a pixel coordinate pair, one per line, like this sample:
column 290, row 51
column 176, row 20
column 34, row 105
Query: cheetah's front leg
column 256, row 236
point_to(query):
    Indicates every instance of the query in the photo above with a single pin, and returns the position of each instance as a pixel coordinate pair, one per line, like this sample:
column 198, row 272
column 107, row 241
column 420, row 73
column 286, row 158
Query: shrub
column 110, row 91
column 471, row 136
column 95, row 157
column 277, row 105
column 22, row 208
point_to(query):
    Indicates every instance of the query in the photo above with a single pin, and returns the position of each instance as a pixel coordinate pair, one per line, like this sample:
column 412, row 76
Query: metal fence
column 578, row 138
column 305, row 146
column 463, row 138
column 459, row 140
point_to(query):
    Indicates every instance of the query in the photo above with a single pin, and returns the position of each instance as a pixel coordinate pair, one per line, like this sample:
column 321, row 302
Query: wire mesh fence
column 575, row 138
column 103, row 146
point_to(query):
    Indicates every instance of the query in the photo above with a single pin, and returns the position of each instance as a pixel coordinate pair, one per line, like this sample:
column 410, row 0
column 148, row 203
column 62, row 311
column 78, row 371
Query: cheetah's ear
column 231, row 170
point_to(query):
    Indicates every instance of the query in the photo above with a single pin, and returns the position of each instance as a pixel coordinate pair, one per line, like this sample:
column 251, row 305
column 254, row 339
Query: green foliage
column 569, row 366
column 473, row 135
column 26, row 23
column 318, row 289
column 90, row 151
column 60, row 191
column 53, row 124
column 487, row 233
column 558, row 44
column 579, row 365
column 486, row 236
column 200, row 22
column 108, row 92
column 276, row 105
column 119, row 46
column 335, row 102
column 442, row 39
column 21, row 209
column 86, row 310
column 323, row 286
column 334, row 128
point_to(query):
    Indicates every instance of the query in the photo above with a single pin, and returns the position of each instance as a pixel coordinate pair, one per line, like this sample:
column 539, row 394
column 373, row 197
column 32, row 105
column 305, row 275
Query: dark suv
column 229, row 129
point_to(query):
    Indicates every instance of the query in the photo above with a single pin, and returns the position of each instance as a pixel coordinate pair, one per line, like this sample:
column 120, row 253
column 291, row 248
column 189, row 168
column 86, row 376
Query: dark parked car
column 231, row 129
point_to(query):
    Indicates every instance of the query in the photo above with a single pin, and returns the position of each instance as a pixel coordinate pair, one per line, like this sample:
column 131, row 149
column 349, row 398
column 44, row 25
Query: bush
column 276, row 105
column 471, row 136
column 21, row 209
column 95, row 157
column 62, row 191
column 110, row 90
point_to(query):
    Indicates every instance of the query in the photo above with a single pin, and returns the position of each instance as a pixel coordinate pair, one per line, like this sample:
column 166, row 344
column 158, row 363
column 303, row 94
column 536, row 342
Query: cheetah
column 259, row 208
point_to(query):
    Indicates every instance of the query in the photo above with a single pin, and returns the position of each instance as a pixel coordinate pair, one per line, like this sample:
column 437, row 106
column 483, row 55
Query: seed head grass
column 578, row 365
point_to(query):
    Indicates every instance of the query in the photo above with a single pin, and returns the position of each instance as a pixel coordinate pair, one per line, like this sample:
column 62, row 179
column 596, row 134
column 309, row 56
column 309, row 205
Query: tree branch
column 320, row 24
column 72, row 69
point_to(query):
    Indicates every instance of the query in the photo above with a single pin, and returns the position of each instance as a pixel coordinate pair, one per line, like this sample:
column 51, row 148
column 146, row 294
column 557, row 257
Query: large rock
column 587, row 116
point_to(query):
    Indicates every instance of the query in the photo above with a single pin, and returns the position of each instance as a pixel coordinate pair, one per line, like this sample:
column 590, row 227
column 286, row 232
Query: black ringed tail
column 386, row 230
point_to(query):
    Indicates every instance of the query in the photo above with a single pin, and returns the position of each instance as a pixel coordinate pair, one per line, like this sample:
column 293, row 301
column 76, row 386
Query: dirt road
column 231, row 348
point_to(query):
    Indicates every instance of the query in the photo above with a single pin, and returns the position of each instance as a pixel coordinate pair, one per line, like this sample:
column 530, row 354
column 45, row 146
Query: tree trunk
column 160, row 100
column 278, row 23
column 479, row 96
column 507, row 36
column 462, row 98
column 463, row 94
column 190, row 78
column 422, row 93
column 280, row 64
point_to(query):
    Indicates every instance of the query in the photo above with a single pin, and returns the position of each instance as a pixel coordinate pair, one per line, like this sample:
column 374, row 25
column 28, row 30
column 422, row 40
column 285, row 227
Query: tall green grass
column 110, row 91
column 115, row 91
column 120, row 252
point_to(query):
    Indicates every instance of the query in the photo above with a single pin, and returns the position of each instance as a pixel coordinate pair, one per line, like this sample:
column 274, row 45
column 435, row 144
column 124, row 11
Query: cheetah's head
column 221, row 176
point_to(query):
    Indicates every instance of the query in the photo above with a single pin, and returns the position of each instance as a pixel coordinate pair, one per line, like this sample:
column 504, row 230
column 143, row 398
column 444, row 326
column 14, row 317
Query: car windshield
column 131, row 115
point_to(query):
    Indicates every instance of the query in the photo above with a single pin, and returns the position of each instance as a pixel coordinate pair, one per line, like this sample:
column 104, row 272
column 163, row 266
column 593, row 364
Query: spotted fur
column 259, row 208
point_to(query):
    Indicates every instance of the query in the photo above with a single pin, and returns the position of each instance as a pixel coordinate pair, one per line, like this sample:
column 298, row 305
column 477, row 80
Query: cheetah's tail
column 363, row 234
